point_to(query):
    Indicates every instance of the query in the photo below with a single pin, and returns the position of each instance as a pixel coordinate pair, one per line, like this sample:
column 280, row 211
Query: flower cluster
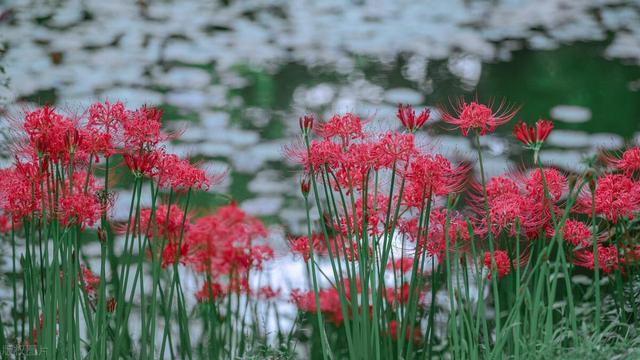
column 412, row 210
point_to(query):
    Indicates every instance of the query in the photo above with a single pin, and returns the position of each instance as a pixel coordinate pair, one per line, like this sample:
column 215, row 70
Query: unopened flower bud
column 102, row 235
column 306, row 123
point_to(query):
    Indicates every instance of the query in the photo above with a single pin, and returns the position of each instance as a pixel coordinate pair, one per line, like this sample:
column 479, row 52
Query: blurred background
column 236, row 75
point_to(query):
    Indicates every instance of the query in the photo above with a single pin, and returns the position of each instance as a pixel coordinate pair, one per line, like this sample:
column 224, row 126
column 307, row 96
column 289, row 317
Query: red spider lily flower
column 576, row 233
column 16, row 184
column 171, row 256
column 48, row 132
column 608, row 259
column 321, row 153
column 90, row 280
column 629, row 163
column 393, row 148
column 533, row 137
column 408, row 118
column 393, row 332
column 432, row 174
column 141, row 130
column 227, row 243
column 179, row 174
column 268, row 293
column 305, row 185
column 5, row 224
column 143, row 163
column 306, row 123
column 80, row 209
column 346, row 127
column 165, row 224
column 475, row 116
column 555, row 181
column 616, row 196
column 374, row 208
column 436, row 241
column 106, row 116
column 209, row 292
column 509, row 202
column 502, row 263
column 300, row 245
column 329, row 303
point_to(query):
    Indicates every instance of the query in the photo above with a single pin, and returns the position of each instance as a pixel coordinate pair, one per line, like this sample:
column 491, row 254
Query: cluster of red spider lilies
column 398, row 223
column 399, row 239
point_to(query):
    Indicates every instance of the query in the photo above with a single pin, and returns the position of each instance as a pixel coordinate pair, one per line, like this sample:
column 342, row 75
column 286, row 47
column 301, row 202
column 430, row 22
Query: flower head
column 345, row 127
column 608, row 259
column 629, row 162
column 502, row 263
column 533, row 137
column 616, row 196
column 475, row 116
column 408, row 118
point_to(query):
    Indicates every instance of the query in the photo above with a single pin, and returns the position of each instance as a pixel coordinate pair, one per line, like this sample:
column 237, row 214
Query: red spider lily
column 355, row 164
column 305, row 185
column 375, row 208
column 164, row 222
column 141, row 129
column 142, row 163
column 393, row 148
column 106, row 117
column 5, row 224
column 48, row 132
column 554, row 180
column 437, row 241
column 576, row 233
column 345, row 127
column 306, row 123
column 502, row 263
column 300, row 245
column 268, row 293
column 17, row 200
column 533, row 137
column 79, row 208
column 90, row 280
column 393, row 332
column 629, row 162
column 608, row 259
column 408, row 118
column 475, row 116
column 432, row 175
column 180, row 174
column 209, row 292
column 329, row 303
column 171, row 256
column 227, row 243
column 510, row 201
column 616, row 196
